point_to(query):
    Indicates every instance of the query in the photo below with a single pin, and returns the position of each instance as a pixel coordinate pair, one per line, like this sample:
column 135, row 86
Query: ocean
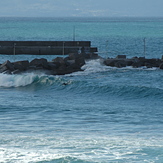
column 102, row 114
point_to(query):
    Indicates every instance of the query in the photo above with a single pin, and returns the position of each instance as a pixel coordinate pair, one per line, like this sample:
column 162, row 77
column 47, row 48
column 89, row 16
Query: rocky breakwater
column 136, row 62
column 58, row 66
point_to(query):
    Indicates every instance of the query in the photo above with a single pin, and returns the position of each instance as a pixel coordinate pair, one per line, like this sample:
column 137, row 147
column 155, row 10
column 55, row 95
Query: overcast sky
column 82, row 8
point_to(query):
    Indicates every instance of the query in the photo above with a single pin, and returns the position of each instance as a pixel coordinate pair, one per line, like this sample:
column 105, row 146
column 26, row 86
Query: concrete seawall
column 45, row 47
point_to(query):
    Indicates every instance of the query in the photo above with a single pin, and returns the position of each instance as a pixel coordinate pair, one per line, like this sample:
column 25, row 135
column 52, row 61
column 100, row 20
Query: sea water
column 102, row 114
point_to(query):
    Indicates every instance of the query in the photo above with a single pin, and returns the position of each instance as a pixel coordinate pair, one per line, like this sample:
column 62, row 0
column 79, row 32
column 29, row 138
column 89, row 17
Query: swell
column 131, row 91
column 96, row 79
column 79, row 85
column 29, row 79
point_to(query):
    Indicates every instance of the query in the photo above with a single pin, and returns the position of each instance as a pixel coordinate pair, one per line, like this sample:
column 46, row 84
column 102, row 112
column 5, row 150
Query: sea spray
column 17, row 80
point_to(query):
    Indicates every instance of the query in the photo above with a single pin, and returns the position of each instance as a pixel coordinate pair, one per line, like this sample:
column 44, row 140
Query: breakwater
column 136, row 62
column 45, row 47
column 73, row 63
column 58, row 66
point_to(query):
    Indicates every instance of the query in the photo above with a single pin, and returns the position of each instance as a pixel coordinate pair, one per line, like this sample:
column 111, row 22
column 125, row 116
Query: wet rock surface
column 73, row 63
column 58, row 66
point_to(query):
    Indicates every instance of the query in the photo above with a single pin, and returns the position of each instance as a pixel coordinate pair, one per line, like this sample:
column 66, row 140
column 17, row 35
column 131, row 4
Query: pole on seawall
column 14, row 50
column 106, row 48
column 74, row 33
column 144, row 47
column 63, row 48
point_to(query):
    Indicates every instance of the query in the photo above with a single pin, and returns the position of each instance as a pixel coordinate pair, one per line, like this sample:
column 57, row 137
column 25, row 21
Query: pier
column 45, row 47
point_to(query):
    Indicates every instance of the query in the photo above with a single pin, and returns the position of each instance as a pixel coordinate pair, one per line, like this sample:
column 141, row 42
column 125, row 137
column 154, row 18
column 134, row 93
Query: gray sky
column 82, row 8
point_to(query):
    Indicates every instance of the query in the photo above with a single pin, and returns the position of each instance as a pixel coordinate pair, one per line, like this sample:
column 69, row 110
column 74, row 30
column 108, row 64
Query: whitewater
column 99, row 115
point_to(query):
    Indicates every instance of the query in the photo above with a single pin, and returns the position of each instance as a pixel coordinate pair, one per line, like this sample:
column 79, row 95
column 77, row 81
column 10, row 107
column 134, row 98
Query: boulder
column 115, row 63
column 21, row 65
column 80, row 61
column 6, row 66
column 138, row 64
column 93, row 56
column 120, row 64
column 154, row 62
column 3, row 69
column 39, row 63
column 129, row 62
column 161, row 66
column 121, row 57
column 7, row 72
column 110, row 62
column 59, row 61
column 52, row 66
column 16, row 71
column 148, row 65
column 70, row 62
column 73, row 56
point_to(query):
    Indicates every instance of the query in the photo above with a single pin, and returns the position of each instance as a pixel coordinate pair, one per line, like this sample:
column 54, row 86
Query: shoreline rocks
column 73, row 63
column 135, row 62
column 58, row 66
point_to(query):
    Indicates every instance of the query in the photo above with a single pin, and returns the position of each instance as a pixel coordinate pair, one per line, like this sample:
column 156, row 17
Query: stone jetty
column 136, row 62
column 58, row 66
column 73, row 63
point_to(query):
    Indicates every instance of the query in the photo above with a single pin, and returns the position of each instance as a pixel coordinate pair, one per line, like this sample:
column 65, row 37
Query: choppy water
column 102, row 114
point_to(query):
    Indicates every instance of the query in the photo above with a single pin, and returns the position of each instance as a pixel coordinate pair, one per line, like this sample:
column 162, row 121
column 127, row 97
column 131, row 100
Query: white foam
column 17, row 80
column 94, row 66
column 91, row 66
column 88, row 148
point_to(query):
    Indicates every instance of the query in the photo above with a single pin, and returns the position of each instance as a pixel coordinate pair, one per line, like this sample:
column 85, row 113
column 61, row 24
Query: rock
column 62, row 70
column 52, row 66
column 39, row 63
column 115, row 62
column 161, row 66
column 138, row 64
column 148, row 65
column 59, row 61
column 3, row 69
column 142, row 59
column 129, row 62
column 78, row 58
column 121, row 57
column 7, row 72
column 110, row 62
column 154, row 62
column 73, row 56
column 70, row 62
column 120, row 64
column 16, row 72
column 21, row 65
column 94, row 56
column 6, row 66
column 80, row 61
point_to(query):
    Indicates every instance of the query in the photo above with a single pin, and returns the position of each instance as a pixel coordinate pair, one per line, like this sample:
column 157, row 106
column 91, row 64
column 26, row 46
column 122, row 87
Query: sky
column 81, row 8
